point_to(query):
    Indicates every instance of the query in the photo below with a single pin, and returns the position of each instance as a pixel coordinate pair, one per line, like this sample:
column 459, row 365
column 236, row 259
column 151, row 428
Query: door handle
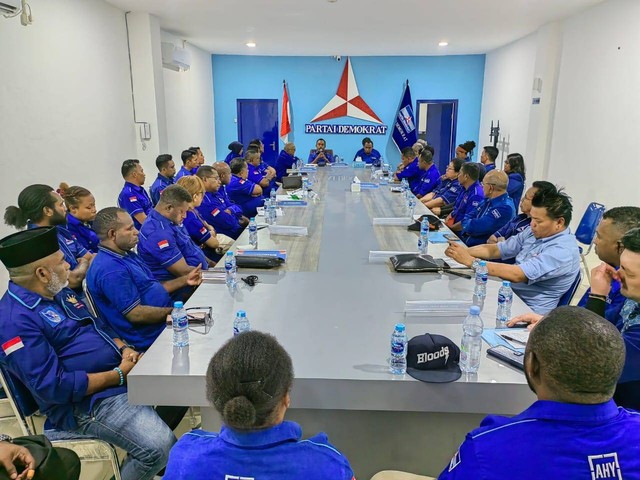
column 273, row 146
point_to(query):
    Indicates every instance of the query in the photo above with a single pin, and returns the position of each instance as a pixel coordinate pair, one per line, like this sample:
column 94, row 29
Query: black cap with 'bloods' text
column 433, row 358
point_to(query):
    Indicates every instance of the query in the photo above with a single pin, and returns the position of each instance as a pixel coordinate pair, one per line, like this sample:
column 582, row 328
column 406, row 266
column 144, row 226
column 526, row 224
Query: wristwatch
column 5, row 438
column 126, row 345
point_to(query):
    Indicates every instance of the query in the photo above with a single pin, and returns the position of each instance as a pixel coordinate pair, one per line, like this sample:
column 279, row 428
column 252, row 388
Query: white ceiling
column 353, row 27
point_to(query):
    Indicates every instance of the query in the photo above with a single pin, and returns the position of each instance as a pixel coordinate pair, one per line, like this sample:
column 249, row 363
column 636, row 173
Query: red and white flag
column 285, row 121
column 12, row 345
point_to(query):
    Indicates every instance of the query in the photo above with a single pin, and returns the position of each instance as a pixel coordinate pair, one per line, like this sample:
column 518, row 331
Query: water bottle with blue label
column 272, row 195
column 471, row 345
column 398, row 360
column 482, row 274
column 505, row 299
column 253, row 233
column 271, row 213
column 423, row 239
column 241, row 323
column 180, row 325
column 230, row 269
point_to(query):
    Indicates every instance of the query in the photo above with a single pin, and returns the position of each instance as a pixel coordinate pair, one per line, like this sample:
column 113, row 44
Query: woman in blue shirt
column 514, row 167
column 81, row 211
column 249, row 382
column 464, row 151
column 236, row 151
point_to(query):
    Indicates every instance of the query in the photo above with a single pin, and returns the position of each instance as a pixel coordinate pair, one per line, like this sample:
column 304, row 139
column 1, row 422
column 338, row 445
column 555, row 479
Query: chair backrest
column 90, row 303
column 587, row 228
column 568, row 295
column 21, row 399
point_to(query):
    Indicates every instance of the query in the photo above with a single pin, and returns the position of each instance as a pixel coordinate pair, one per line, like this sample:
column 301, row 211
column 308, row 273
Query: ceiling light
column 443, row 44
column 251, row 44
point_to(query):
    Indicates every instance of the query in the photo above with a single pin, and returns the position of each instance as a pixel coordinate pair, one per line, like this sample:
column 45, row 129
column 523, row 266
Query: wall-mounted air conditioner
column 174, row 58
column 10, row 7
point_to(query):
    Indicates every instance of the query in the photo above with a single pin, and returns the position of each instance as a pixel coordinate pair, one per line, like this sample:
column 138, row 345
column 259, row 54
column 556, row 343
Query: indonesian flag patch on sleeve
column 163, row 244
column 12, row 345
column 133, row 199
column 215, row 212
column 203, row 230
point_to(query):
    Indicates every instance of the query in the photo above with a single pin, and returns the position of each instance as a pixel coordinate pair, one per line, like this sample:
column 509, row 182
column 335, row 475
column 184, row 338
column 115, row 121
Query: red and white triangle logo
column 347, row 102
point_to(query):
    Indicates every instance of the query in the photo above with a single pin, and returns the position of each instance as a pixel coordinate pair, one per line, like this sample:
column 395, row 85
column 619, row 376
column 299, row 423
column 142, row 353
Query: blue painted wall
column 313, row 81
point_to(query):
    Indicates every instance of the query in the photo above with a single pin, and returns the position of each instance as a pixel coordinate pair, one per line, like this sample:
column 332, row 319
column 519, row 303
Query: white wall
column 189, row 104
column 597, row 115
column 506, row 94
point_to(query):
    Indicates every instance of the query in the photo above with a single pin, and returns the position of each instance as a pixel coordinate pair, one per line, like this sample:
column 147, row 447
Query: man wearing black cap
column 74, row 365
column 574, row 430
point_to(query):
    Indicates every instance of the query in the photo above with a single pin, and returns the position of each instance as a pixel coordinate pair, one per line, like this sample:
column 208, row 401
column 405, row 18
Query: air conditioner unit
column 174, row 58
column 10, row 7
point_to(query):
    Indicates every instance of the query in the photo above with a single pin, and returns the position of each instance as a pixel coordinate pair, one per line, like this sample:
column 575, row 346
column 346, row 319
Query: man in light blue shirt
column 546, row 254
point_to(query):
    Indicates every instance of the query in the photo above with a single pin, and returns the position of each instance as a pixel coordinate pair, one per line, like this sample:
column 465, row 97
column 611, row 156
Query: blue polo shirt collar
column 113, row 253
column 23, row 296
column 165, row 222
column 133, row 187
column 284, row 432
column 498, row 200
column 573, row 412
column 566, row 231
column 71, row 220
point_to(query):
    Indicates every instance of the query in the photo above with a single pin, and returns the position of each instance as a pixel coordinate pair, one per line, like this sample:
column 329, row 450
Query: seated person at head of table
column 469, row 197
column 430, row 178
column 546, row 253
column 163, row 244
column 408, row 169
column 614, row 294
column 199, row 159
column 286, row 160
column 72, row 363
column 123, row 288
column 166, row 171
column 81, row 210
column 367, row 153
column 236, row 151
column 575, row 428
column 255, row 440
column 40, row 206
column 320, row 154
column 133, row 197
column 216, row 209
column 465, row 150
column 189, row 162
column 447, row 190
column 259, row 172
column 202, row 234
column 521, row 222
column 514, row 167
column 495, row 211
column 243, row 192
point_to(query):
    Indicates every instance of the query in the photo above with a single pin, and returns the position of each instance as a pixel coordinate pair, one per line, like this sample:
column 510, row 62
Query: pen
column 506, row 337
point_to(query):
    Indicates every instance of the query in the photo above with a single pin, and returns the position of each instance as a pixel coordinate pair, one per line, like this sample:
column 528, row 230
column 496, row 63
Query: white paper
column 440, row 308
column 279, row 212
column 288, row 230
column 356, row 180
column 403, row 221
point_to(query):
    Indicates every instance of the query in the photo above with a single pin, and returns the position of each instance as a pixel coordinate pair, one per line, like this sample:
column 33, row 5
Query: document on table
column 493, row 336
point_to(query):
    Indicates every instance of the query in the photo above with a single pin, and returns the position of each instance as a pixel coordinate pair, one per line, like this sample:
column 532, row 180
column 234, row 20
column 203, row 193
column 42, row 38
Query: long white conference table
column 334, row 311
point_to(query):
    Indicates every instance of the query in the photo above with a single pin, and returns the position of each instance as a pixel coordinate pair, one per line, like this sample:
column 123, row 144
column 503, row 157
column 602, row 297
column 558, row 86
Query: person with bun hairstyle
column 465, row 150
column 249, row 382
column 81, row 212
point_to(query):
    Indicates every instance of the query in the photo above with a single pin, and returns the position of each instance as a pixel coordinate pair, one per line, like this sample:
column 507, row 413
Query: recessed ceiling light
column 251, row 44
column 443, row 44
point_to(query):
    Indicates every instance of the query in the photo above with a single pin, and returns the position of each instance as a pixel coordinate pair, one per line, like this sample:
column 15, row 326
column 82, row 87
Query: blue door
column 437, row 125
column 258, row 118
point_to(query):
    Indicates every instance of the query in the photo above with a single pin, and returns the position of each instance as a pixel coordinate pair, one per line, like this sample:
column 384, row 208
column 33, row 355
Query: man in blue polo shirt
column 546, row 255
column 133, row 198
column 286, row 160
column 74, row 365
column 40, row 206
column 166, row 172
column 243, row 192
column 367, row 153
column 469, row 198
column 216, row 208
column 430, row 178
column 259, row 172
column 164, row 245
column 493, row 212
column 488, row 158
column 126, row 295
column 574, row 430
column 320, row 154
column 189, row 162
column 408, row 169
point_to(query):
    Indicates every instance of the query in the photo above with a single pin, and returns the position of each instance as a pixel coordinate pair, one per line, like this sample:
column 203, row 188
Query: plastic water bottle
column 253, row 233
column 230, row 268
column 423, row 239
column 241, row 323
column 272, row 196
column 398, row 361
column 505, row 298
column 271, row 210
column 481, row 280
column 180, row 324
column 471, row 345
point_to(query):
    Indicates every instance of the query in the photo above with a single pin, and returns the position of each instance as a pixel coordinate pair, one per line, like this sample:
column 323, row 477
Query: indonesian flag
column 12, row 345
column 285, row 123
column 163, row 244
